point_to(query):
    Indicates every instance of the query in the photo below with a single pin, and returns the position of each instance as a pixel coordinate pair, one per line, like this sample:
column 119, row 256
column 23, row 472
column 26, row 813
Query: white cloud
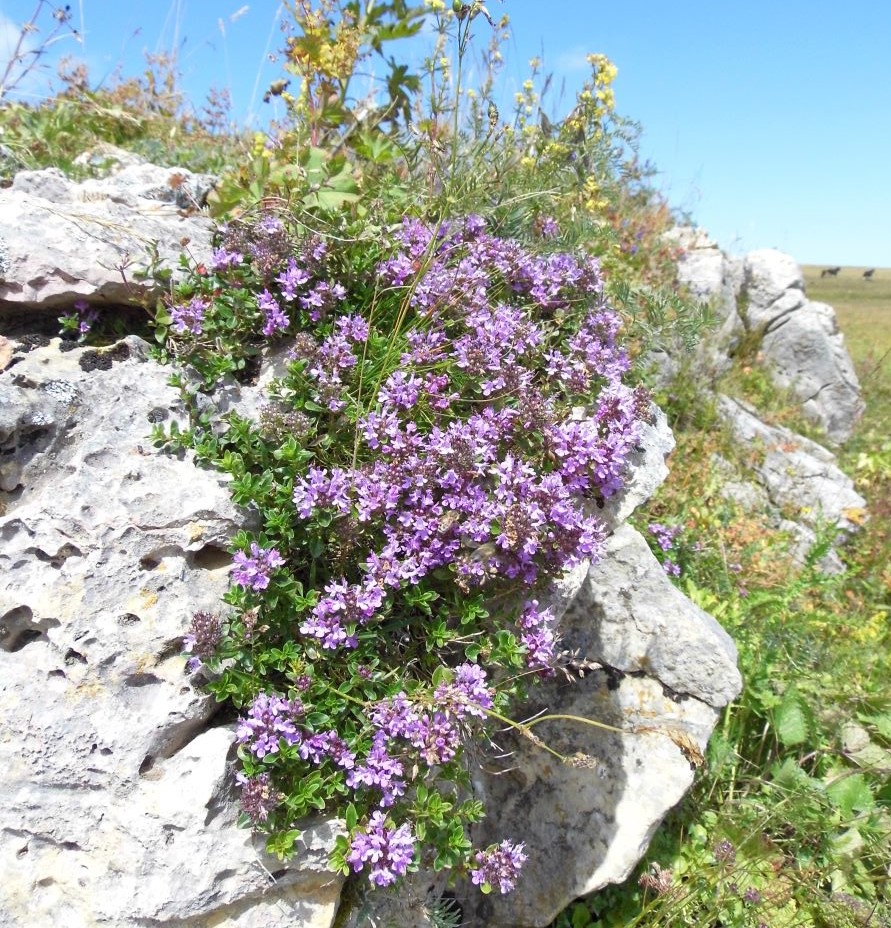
column 573, row 60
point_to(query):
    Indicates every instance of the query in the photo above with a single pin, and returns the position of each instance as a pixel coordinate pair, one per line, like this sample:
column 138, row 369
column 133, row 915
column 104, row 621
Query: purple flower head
column 269, row 224
column 317, row 747
column 499, row 866
column 436, row 738
column 546, row 227
column 269, row 719
column 252, row 571
column 344, row 605
column 466, row 694
column 189, row 318
column 86, row 317
column 665, row 535
column 221, row 259
column 380, row 770
column 537, row 635
column 396, row 717
column 203, row 638
column 275, row 320
column 354, row 328
column 258, row 798
column 321, row 299
column 292, row 280
column 388, row 851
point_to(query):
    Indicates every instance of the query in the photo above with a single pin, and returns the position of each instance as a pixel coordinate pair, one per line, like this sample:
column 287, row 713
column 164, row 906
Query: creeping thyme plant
column 450, row 411
column 451, row 408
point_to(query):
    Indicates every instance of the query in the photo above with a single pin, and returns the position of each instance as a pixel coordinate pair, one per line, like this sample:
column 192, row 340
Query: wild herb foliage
column 451, row 403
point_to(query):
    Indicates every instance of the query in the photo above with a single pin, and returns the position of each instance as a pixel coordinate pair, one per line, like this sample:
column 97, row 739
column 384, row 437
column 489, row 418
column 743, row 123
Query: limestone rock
column 668, row 669
column 647, row 470
column 92, row 240
column 797, row 474
column 116, row 791
column 805, row 353
column 800, row 344
column 773, row 285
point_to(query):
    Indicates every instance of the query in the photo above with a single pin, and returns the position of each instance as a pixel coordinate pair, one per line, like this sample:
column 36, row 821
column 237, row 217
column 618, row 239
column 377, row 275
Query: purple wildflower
column 499, row 866
column 467, row 694
column 258, row 798
column 537, row 635
column 275, row 319
column 252, row 571
column 221, row 259
column 292, row 280
column 379, row 770
column 344, row 607
column 269, row 719
column 86, row 316
column 189, row 318
column 202, row 640
column 546, row 227
column 389, row 851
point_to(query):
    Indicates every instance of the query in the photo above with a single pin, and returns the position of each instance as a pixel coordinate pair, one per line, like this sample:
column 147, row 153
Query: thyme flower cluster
column 459, row 412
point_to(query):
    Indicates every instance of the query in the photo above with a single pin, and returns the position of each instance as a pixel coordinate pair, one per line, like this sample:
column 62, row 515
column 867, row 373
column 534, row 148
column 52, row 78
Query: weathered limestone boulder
column 666, row 669
column 115, row 776
column 801, row 345
column 61, row 241
column 799, row 342
column 799, row 476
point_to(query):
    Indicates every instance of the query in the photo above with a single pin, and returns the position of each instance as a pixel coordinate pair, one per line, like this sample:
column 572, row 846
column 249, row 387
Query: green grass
column 809, row 823
column 863, row 309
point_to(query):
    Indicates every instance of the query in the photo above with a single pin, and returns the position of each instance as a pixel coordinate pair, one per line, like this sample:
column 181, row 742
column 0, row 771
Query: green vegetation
column 789, row 821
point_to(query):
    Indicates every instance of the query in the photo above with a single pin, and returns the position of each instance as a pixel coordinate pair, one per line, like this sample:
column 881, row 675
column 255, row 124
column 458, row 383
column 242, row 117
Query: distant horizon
column 769, row 128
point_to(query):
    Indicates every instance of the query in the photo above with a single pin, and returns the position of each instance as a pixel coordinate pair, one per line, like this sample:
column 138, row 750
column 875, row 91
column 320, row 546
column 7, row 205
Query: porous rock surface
column 799, row 342
column 663, row 670
column 114, row 773
column 61, row 241
column 798, row 475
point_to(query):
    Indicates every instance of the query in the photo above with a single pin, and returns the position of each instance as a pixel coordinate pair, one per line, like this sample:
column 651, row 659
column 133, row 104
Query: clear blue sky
column 769, row 122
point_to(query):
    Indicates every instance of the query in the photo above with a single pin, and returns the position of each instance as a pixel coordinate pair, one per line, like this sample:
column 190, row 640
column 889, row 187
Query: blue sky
column 769, row 122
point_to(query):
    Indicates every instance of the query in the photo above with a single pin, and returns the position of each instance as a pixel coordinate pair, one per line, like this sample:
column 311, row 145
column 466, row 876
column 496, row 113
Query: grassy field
column 863, row 308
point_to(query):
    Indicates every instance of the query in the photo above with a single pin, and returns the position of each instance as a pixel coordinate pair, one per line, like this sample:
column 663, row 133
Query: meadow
column 789, row 822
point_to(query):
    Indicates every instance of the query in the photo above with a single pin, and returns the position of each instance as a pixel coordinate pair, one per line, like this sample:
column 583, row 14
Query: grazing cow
column 868, row 274
column 830, row 272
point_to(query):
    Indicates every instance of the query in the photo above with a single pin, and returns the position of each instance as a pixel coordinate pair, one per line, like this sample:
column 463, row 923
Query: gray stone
column 647, row 470
column 805, row 353
column 711, row 277
column 773, row 285
column 93, row 240
column 668, row 669
column 799, row 342
column 799, row 476
column 116, row 803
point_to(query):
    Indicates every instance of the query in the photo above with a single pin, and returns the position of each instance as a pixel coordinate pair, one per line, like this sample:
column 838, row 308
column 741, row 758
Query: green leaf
column 791, row 719
column 851, row 794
